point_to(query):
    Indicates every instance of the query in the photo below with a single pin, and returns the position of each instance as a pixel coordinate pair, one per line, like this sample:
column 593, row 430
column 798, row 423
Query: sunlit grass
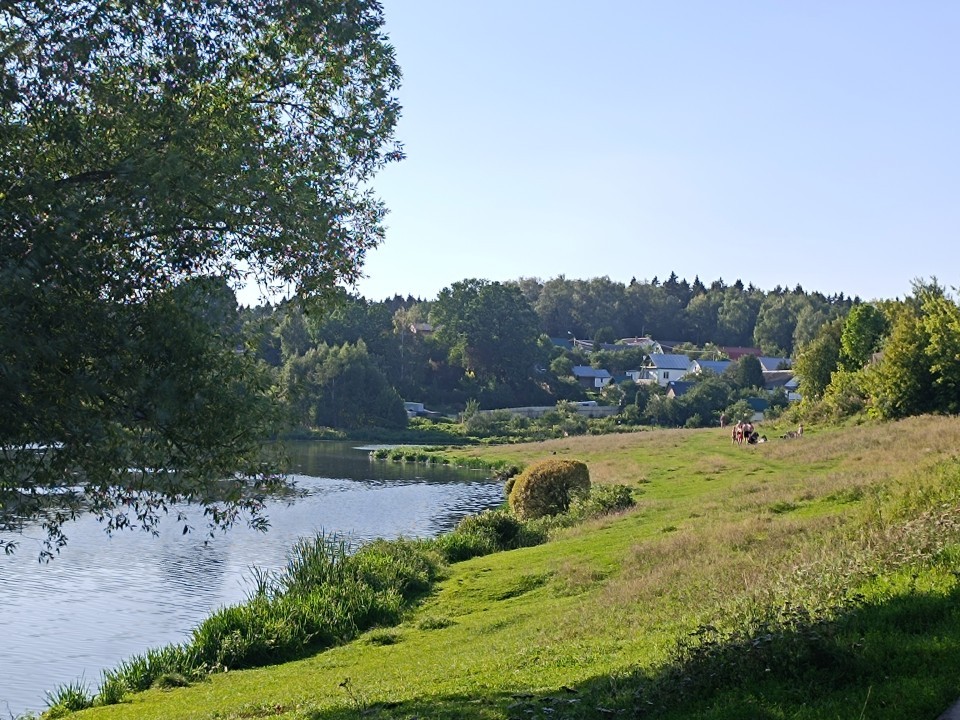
column 808, row 578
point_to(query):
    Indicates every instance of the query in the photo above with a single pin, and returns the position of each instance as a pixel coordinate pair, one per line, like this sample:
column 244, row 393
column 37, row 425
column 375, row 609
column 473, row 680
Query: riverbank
column 804, row 578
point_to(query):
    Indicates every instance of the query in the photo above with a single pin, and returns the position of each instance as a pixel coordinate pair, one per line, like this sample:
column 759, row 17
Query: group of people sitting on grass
column 745, row 432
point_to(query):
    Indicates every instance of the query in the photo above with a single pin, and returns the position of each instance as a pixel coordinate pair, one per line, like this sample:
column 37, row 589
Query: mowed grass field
column 805, row 578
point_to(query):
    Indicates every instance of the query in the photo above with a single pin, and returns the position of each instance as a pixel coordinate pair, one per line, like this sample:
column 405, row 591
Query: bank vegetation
column 804, row 578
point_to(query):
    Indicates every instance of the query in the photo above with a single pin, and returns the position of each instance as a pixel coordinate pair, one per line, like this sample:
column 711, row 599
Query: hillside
column 805, row 578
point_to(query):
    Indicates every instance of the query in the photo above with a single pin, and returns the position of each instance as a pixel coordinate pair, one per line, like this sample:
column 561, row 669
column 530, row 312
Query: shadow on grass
column 892, row 660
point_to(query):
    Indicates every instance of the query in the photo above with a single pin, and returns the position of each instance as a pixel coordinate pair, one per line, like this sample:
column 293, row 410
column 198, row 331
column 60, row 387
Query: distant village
column 667, row 368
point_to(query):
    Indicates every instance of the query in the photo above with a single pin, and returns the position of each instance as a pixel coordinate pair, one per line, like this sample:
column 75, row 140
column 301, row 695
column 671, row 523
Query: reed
column 68, row 698
column 326, row 595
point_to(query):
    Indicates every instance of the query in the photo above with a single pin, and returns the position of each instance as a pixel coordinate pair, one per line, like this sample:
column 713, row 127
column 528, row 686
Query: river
column 104, row 599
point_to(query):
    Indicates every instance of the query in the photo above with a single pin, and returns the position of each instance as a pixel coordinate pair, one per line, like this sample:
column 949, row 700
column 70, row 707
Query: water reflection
column 105, row 599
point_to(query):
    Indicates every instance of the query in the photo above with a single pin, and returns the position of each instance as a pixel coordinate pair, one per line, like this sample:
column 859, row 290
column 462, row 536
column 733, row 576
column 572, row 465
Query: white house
column 413, row 408
column 663, row 368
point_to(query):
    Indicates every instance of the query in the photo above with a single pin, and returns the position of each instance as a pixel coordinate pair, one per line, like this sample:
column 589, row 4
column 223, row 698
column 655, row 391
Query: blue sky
column 779, row 143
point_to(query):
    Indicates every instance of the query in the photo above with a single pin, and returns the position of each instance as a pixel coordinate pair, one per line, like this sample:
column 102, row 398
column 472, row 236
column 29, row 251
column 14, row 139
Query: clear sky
column 813, row 142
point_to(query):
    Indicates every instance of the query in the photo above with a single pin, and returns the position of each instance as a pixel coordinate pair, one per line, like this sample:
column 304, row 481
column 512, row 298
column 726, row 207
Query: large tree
column 776, row 322
column 145, row 145
column 818, row 360
column 490, row 330
column 901, row 383
column 340, row 387
column 863, row 332
column 941, row 320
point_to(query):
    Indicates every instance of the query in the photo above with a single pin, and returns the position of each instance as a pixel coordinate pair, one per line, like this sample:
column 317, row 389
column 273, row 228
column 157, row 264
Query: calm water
column 105, row 599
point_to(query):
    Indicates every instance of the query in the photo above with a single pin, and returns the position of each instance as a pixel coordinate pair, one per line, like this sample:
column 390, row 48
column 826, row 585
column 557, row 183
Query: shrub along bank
column 804, row 578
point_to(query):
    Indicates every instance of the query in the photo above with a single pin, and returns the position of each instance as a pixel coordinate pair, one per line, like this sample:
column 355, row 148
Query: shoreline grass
column 795, row 579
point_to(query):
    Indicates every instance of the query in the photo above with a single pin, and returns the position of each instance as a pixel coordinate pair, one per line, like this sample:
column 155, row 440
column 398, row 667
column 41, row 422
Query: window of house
column 666, row 375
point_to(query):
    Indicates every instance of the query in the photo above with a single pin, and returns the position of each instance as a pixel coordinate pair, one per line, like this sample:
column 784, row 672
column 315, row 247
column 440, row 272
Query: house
column 413, row 408
column 421, row 328
column 634, row 375
column 714, row 366
column 793, row 389
column 591, row 377
column 676, row 388
column 663, row 368
column 769, row 364
column 775, row 379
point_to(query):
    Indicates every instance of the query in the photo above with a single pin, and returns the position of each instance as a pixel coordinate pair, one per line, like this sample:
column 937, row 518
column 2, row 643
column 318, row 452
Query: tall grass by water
column 327, row 594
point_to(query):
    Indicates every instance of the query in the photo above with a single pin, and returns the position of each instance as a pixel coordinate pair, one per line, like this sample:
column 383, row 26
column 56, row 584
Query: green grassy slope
column 811, row 578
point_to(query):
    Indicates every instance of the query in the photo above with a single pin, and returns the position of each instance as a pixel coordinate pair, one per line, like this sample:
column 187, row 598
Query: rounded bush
column 547, row 488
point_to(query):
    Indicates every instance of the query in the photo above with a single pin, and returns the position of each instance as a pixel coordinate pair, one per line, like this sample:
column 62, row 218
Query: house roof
column 586, row 371
column 774, row 363
column 663, row 361
column 777, row 378
column 735, row 353
column 717, row 366
column 677, row 388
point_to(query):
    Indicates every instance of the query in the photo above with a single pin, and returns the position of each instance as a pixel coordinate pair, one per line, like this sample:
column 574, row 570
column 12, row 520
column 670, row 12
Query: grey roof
column 774, row 363
column 663, row 361
column 777, row 378
column 679, row 387
column 590, row 372
column 717, row 366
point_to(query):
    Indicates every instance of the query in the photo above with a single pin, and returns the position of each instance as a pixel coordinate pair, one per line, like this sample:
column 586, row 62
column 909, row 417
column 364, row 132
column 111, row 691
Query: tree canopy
column 490, row 328
column 146, row 146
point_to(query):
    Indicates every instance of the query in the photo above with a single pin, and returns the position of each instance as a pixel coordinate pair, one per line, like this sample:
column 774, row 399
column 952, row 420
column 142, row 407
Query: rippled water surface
column 105, row 599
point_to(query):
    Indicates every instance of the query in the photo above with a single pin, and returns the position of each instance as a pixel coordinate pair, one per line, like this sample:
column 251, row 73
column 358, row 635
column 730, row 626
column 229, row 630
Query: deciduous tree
column 818, row 360
column 863, row 331
column 144, row 144
column 490, row 329
column 900, row 384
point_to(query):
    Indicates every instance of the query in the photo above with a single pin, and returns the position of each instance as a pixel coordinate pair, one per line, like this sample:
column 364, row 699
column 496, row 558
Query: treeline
column 891, row 359
column 352, row 364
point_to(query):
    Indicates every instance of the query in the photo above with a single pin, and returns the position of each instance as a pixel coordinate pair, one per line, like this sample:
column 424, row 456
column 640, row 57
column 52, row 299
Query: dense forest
column 492, row 344
column 488, row 345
